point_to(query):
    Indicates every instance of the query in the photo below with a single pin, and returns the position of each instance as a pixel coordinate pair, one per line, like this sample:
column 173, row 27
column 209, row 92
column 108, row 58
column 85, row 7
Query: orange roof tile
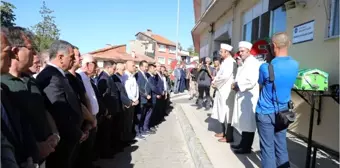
column 117, row 53
column 162, row 40
column 159, row 39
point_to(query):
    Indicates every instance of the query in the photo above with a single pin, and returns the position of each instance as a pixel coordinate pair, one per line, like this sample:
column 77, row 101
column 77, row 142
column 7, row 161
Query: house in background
column 117, row 53
column 154, row 46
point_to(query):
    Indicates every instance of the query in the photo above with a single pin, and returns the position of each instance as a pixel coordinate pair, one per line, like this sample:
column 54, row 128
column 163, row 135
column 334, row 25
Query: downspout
column 234, row 4
column 211, row 40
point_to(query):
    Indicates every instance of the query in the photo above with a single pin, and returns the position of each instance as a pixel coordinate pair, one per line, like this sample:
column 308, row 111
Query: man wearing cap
column 247, row 93
column 224, row 98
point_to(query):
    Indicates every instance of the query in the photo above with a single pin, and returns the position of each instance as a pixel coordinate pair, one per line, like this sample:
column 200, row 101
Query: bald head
column 280, row 43
column 131, row 66
column 281, row 40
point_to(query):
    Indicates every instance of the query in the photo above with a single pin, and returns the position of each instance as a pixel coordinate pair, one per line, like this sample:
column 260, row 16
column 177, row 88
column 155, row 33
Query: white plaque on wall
column 303, row 32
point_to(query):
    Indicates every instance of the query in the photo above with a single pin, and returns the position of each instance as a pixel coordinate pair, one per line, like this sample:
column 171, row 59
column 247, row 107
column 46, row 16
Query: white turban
column 226, row 47
column 245, row 44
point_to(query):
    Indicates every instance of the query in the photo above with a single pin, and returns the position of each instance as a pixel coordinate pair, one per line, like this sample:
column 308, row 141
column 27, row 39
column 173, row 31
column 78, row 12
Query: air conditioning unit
column 295, row 3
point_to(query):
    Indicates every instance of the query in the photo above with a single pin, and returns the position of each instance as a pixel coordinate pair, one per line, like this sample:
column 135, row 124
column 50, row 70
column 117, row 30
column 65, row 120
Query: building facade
column 154, row 46
column 313, row 27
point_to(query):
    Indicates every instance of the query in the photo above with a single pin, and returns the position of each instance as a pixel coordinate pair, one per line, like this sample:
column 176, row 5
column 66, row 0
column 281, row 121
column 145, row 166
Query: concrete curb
column 198, row 154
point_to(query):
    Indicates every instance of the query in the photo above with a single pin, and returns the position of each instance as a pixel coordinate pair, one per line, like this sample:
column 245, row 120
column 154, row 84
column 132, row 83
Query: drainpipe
column 234, row 4
column 211, row 40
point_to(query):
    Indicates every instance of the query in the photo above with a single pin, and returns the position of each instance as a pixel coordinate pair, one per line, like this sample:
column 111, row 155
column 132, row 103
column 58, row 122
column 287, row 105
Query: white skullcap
column 245, row 44
column 226, row 47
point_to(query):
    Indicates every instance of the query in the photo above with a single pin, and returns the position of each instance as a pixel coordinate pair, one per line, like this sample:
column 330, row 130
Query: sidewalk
column 221, row 155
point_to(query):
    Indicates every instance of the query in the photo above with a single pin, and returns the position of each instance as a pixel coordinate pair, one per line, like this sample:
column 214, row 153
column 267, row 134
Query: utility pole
column 178, row 1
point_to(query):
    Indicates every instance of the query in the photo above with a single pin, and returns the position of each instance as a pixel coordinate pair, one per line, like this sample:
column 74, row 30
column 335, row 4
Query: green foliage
column 46, row 31
column 7, row 14
column 191, row 51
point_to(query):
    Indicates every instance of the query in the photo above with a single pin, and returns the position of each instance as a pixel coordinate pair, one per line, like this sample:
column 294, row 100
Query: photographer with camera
column 273, row 106
column 204, row 81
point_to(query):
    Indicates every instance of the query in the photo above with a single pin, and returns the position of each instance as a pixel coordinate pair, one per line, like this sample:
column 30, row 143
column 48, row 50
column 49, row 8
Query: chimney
column 148, row 32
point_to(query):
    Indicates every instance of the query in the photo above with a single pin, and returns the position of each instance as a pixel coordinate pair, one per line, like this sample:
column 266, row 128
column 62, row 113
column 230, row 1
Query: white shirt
column 131, row 86
column 89, row 92
column 59, row 69
column 164, row 81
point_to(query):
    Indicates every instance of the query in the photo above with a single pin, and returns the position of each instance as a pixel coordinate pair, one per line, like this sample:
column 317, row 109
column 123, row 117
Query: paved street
column 166, row 149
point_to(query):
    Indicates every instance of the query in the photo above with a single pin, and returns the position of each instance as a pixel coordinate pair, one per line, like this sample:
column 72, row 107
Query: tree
column 7, row 14
column 179, row 47
column 46, row 31
column 191, row 51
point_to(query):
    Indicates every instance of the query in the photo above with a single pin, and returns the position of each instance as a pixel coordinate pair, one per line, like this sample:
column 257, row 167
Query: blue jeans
column 273, row 144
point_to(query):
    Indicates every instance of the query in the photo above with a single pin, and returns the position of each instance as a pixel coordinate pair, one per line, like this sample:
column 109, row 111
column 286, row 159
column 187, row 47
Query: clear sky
column 91, row 25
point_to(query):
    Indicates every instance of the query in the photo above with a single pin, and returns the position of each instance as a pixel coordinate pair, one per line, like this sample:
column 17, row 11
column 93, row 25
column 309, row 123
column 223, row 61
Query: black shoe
column 235, row 146
column 242, row 151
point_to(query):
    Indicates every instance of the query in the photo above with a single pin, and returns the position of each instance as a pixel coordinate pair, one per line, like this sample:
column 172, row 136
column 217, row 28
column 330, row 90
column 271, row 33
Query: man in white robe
column 224, row 98
column 247, row 93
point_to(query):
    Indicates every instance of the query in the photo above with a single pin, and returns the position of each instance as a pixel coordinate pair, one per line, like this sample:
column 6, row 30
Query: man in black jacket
column 108, row 90
column 124, row 103
column 63, row 103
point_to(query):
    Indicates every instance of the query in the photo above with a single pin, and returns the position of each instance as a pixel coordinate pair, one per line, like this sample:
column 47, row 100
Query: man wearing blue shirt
column 273, row 144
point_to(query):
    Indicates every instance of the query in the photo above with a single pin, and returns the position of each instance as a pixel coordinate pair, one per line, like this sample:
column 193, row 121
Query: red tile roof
column 159, row 39
column 118, row 53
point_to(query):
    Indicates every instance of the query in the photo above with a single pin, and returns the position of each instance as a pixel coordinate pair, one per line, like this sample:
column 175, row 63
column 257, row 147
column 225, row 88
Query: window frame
column 172, row 51
column 161, row 58
column 245, row 30
column 330, row 21
column 160, row 49
column 271, row 32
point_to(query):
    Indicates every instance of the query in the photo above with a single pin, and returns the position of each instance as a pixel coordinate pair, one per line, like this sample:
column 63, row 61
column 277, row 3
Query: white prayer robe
column 224, row 97
column 246, row 98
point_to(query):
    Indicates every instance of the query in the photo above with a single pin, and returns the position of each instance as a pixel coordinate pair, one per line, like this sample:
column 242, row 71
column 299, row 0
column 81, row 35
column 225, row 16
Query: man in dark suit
column 124, row 103
column 63, row 103
column 108, row 90
column 156, row 93
column 160, row 103
column 144, row 108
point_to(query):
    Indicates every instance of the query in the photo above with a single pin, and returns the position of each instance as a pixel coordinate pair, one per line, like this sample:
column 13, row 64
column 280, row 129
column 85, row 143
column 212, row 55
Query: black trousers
column 103, row 139
column 228, row 132
column 202, row 90
column 247, row 140
column 116, row 132
column 157, row 112
column 85, row 150
column 128, row 125
column 64, row 154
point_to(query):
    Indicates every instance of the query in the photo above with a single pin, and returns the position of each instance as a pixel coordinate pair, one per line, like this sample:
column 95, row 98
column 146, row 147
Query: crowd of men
column 246, row 99
column 58, row 112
